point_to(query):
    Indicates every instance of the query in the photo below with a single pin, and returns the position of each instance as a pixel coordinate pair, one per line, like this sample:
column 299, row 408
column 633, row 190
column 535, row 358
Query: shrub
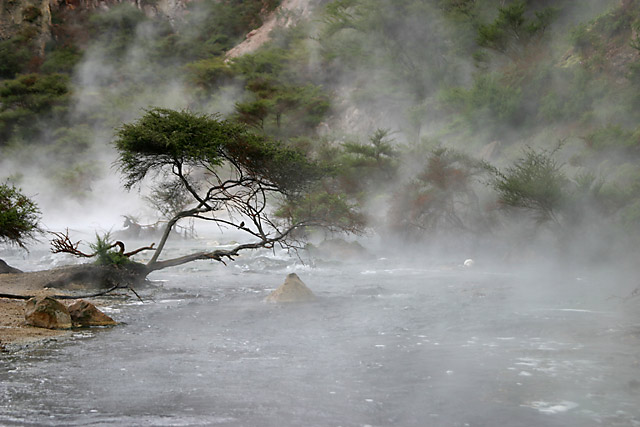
column 105, row 254
column 613, row 137
column 534, row 183
column 19, row 216
column 14, row 56
column 61, row 60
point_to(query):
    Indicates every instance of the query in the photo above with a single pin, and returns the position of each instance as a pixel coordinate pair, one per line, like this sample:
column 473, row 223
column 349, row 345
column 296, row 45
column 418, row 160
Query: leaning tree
column 19, row 218
column 207, row 168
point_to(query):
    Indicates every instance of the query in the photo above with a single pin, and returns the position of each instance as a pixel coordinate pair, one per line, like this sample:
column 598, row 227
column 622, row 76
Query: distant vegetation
column 437, row 117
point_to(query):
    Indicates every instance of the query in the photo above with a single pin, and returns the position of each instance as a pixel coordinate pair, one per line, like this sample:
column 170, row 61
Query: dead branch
column 63, row 244
column 146, row 248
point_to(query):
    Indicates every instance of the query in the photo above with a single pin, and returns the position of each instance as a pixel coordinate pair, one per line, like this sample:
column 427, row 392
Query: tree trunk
column 83, row 276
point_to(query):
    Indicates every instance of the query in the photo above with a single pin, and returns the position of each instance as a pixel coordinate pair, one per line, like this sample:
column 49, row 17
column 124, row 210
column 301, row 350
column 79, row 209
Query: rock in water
column 5, row 268
column 83, row 313
column 292, row 290
column 46, row 312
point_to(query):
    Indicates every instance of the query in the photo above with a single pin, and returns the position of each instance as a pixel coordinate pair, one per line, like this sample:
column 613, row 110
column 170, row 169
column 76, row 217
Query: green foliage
column 488, row 101
column 404, row 41
column 584, row 38
column 28, row 99
column 324, row 209
column 612, row 28
column 209, row 73
column 61, row 60
column 15, row 54
column 512, row 30
column 19, row 216
column 274, row 102
column 213, row 28
column 614, row 137
column 534, row 183
column 104, row 252
column 167, row 138
column 575, row 93
column 635, row 39
column 441, row 196
column 116, row 27
column 369, row 166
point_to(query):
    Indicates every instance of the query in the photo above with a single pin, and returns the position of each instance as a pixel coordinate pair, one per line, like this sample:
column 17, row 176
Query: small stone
column 46, row 312
column 83, row 313
column 292, row 290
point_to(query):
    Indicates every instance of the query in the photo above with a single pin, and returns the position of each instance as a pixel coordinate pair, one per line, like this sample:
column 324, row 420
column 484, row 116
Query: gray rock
column 6, row 268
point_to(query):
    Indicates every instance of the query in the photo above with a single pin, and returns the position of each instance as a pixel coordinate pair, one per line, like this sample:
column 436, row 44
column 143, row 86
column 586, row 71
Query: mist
column 494, row 279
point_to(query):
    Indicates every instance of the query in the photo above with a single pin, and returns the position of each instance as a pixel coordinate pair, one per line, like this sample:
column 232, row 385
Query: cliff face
column 29, row 18
column 32, row 19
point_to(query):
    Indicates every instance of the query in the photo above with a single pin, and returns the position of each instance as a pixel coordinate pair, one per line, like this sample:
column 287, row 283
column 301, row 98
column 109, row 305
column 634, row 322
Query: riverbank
column 13, row 329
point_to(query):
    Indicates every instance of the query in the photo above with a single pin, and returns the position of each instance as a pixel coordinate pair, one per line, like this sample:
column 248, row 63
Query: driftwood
column 98, row 294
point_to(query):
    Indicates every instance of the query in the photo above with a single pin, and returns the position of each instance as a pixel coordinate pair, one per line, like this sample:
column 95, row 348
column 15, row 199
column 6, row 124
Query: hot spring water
column 383, row 345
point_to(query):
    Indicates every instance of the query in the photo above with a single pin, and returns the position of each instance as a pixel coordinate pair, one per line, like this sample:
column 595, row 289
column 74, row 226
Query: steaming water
column 384, row 345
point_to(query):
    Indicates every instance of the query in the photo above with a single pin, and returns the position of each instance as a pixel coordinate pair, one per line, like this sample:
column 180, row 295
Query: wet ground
column 383, row 345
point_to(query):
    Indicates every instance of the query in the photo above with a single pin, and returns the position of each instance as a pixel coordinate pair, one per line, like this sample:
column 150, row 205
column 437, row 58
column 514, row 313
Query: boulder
column 6, row 268
column 339, row 249
column 83, row 313
column 292, row 290
column 46, row 312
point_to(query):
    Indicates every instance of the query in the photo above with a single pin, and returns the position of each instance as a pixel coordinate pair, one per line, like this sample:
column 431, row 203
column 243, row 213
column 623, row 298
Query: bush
column 19, row 216
column 613, row 137
column 61, row 60
column 512, row 30
column 28, row 99
column 534, row 183
column 14, row 56
column 488, row 101
column 105, row 254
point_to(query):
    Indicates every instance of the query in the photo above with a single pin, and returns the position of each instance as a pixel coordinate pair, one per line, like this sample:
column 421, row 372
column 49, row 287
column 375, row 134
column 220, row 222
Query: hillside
column 509, row 126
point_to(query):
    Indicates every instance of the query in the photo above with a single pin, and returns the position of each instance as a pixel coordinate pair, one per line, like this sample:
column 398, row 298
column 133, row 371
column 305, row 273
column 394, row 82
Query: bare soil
column 59, row 281
column 13, row 329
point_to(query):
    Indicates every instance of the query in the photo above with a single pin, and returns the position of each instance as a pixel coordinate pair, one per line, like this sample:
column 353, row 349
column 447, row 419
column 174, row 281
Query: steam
column 111, row 89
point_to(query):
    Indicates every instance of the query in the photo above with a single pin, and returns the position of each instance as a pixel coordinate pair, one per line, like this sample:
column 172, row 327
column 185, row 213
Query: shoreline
column 14, row 332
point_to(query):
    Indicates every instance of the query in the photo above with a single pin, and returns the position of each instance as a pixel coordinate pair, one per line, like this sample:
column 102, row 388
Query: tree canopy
column 223, row 172
column 19, row 216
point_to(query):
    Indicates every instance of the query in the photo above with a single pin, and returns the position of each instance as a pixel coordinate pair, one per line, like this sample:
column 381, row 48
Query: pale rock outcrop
column 46, row 312
column 83, row 313
column 289, row 13
column 292, row 290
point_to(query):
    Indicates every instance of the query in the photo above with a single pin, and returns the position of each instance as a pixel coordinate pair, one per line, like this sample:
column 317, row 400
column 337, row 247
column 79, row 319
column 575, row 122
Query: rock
column 83, row 313
column 6, row 268
column 46, row 312
column 292, row 290
column 339, row 249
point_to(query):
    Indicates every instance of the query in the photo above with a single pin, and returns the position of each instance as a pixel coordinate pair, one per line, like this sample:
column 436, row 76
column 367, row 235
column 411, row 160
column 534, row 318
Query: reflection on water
column 381, row 346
